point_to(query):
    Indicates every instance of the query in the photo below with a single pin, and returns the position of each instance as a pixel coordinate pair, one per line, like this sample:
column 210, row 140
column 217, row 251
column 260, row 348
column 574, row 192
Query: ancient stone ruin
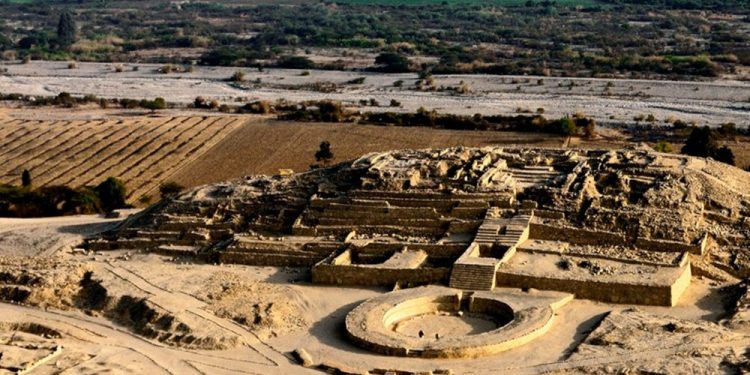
column 503, row 234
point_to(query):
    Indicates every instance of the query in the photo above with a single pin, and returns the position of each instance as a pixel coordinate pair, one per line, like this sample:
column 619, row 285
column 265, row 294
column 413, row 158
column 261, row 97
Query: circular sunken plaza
column 440, row 322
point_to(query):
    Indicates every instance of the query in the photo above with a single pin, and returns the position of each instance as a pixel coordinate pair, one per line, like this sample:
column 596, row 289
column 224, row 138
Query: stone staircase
column 475, row 274
column 505, row 231
column 533, row 175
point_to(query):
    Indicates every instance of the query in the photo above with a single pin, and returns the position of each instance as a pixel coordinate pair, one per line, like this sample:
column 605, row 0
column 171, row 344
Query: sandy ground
column 606, row 100
column 92, row 344
column 47, row 236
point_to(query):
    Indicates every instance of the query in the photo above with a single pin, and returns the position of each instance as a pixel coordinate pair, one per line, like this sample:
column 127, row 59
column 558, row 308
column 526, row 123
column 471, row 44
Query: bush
column 26, row 178
column 112, row 194
column 568, row 126
column 725, row 155
column 703, row 142
column 391, row 62
column 324, row 153
column 663, row 146
column 728, row 130
column 153, row 105
column 295, row 62
column 238, row 76
column 261, row 107
column 170, row 189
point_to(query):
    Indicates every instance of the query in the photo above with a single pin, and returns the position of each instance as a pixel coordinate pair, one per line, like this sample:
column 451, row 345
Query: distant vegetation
column 26, row 201
column 634, row 38
column 703, row 142
column 332, row 111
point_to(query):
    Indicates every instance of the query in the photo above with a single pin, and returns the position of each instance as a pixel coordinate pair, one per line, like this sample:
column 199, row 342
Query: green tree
column 66, row 30
column 26, row 178
column 704, row 142
column 112, row 194
column 701, row 142
column 324, row 153
column 568, row 126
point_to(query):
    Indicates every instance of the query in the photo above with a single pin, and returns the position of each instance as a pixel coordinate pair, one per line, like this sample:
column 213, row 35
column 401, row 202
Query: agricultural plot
column 142, row 151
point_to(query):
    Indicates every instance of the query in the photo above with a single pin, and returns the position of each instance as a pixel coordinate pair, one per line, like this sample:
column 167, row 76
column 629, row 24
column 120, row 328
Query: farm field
column 141, row 151
column 264, row 146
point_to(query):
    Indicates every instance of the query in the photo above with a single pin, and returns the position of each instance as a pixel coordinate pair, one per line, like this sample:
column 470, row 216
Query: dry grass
column 142, row 151
column 265, row 146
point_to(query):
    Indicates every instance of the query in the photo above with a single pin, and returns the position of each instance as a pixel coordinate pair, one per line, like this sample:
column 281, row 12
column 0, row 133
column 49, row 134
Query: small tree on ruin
column 324, row 153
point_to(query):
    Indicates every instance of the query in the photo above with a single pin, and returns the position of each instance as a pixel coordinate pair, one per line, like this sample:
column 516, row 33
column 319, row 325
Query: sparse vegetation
column 112, row 194
column 238, row 76
column 170, row 189
column 324, row 153
column 663, row 146
column 26, row 179
column 703, row 142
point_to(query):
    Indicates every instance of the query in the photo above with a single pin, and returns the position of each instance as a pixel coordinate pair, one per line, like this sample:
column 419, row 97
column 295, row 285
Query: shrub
column 588, row 125
column 356, row 81
column 295, row 62
column 663, row 146
column 701, row 142
column 392, row 63
column 72, row 65
column 112, row 194
column 145, row 199
column 170, row 189
column 153, row 105
column 728, row 130
column 166, row 69
column 725, row 155
column 305, row 73
column 238, row 76
column 324, row 153
column 568, row 126
column 26, row 178
column 260, row 107
column 395, row 103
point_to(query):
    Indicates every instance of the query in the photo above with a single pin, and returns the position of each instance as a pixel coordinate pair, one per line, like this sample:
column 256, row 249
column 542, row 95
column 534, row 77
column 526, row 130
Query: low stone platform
column 519, row 317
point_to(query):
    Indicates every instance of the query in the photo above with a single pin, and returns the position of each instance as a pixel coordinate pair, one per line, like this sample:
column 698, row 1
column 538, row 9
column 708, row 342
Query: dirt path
column 178, row 302
column 82, row 332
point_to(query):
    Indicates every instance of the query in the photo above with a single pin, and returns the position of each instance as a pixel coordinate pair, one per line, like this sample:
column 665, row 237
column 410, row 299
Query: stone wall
column 272, row 260
column 615, row 292
column 373, row 276
column 573, row 235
